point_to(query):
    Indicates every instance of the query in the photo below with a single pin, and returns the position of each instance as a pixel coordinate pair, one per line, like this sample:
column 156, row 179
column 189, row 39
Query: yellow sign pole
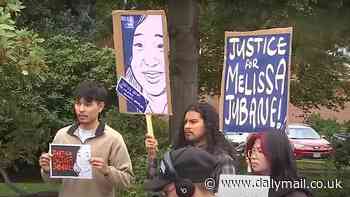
column 149, row 125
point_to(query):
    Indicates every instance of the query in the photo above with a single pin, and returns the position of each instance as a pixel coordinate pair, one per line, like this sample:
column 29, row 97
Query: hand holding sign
column 44, row 162
column 100, row 165
column 151, row 144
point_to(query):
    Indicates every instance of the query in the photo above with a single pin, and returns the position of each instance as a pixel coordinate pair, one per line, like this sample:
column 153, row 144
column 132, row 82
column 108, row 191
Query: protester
column 184, row 172
column 110, row 160
column 269, row 153
column 200, row 128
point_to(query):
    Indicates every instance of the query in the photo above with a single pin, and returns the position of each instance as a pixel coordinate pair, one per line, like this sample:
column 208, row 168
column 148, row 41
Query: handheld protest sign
column 255, row 80
column 142, row 46
column 70, row 161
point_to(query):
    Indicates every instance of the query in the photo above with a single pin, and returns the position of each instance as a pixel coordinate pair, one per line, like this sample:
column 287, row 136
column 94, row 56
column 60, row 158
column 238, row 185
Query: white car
column 239, row 140
column 237, row 137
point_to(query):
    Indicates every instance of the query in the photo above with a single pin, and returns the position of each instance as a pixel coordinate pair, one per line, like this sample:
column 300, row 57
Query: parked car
column 341, row 136
column 237, row 137
column 307, row 143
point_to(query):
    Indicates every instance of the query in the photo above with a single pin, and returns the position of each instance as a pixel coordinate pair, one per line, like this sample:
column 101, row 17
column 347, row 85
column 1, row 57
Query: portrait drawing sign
column 141, row 48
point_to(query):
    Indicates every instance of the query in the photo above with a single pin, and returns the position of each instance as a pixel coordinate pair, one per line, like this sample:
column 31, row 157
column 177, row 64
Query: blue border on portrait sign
column 256, row 89
column 132, row 95
column 129, row 24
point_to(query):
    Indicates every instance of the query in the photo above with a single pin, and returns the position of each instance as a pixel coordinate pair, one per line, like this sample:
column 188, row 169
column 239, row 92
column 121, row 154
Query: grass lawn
column 28, row 187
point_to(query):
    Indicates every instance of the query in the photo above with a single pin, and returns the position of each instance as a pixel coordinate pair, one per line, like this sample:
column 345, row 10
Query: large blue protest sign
column 255, row 80
column 142, row 45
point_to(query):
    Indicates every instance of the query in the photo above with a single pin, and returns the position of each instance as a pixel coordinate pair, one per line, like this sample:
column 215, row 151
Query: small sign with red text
column 70, row 161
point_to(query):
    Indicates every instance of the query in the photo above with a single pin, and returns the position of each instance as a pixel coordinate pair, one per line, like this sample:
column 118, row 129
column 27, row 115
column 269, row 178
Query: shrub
column 133, row 129
column 327, row 127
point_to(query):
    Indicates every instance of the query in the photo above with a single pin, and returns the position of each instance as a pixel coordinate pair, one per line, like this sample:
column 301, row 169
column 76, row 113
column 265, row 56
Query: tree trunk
column 10, row 184
column 184, row 54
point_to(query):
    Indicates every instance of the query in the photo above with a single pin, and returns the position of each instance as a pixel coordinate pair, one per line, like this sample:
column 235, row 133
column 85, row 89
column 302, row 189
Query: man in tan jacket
column 112, row 169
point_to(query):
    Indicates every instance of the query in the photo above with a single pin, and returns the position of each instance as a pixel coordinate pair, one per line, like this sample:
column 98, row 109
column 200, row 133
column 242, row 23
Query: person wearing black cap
column 184, row 172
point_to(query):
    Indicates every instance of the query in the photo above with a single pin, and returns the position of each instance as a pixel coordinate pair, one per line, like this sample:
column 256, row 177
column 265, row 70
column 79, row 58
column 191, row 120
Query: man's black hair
column 91, row 91
column 215, row 138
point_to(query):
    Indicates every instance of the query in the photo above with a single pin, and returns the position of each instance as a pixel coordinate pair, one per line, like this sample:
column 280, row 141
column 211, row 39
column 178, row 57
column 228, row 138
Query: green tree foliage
column 319, row 77
column 24, row 118
column 104, row 26
column 37, row 78
column 325, row 127
column 71, row 61
column 19, row 47
column 90, row 20
column 23, row 115
column 51, row 17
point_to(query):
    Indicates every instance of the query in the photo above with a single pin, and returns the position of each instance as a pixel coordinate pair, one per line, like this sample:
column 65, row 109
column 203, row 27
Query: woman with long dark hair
column 269, row 153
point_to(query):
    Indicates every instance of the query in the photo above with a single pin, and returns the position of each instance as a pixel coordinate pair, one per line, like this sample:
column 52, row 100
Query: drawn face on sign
column 148, row 56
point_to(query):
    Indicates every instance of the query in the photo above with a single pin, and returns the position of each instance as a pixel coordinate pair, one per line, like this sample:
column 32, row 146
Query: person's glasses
column 255, row 151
